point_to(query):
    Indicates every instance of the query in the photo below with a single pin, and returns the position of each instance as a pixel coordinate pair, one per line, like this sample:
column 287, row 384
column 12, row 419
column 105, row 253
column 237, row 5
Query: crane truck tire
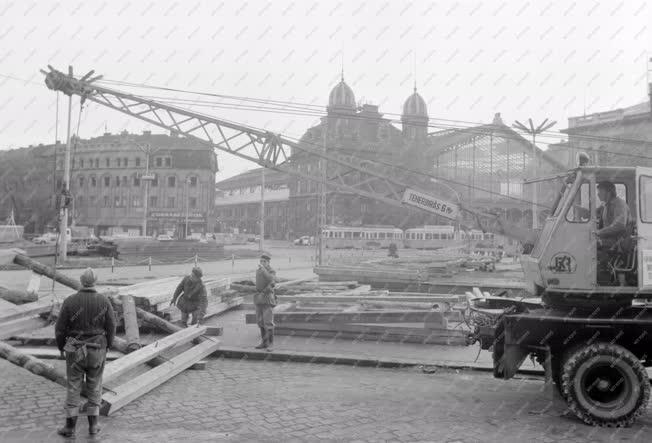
column 605, row 385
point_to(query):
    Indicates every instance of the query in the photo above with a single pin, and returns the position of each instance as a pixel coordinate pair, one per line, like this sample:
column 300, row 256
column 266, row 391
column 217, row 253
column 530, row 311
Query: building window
column 172, row 182
column 81, row 182
column 155, row 181
column 135, row 202
column 80, row 200
column 81, row 162
column 73, row 163
column 92, row 200
column 159, row 162
column 106, row 201
column 107, row 181
column 117, row 180
column 125, row 162
column 170, row 202
column 97, row 162
column 118, row 161
column 116, row 201
column 137, row 161
column 125, row 182
column 123, row 201
column 168, row 162
column 153, row 201
column 93, row 182
column 192, row 202
column 136, row 181
column 107, row 162
column 193, row 182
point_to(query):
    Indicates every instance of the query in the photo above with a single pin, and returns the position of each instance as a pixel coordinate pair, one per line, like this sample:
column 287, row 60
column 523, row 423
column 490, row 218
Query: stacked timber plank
column 364, row 314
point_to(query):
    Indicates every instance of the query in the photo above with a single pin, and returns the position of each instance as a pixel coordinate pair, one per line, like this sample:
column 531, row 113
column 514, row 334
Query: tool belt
column 79, row 348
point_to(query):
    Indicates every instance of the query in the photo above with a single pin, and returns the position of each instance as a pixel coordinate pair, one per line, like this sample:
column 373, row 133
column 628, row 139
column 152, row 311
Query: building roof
column 341, row 97
column 442, row 141
column 252, row 177
column 415, row 106
column 630, row 113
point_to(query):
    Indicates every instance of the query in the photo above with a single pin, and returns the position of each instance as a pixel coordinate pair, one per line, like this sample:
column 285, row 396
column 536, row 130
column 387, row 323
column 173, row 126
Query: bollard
column 112, row 264
column 232, row 260
column 149, row 263
column 195, row 260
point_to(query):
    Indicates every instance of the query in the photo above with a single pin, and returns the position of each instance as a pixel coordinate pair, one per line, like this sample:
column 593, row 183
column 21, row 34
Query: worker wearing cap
column 265, row 300
column 84, row 330
column 190, row 297
column 613, row 225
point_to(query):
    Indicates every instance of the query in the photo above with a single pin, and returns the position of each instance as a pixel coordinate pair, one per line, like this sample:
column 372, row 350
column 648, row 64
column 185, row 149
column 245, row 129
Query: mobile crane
column 593, row 338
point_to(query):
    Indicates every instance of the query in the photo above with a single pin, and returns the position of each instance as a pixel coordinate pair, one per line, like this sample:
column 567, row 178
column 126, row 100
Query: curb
column 340, row 359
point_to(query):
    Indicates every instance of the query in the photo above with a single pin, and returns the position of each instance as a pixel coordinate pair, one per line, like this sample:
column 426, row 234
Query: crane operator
column 613, row 226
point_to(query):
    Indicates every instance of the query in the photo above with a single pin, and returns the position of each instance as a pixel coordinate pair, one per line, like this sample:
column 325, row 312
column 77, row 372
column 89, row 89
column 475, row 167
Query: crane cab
column 572, row 260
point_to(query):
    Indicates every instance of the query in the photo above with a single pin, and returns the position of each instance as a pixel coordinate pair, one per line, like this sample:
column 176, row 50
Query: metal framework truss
column 346, row 173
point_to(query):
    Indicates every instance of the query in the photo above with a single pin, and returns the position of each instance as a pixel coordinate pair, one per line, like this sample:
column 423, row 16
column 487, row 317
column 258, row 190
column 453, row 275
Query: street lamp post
column 185, row 236
column 147, row 149
column 536, row 159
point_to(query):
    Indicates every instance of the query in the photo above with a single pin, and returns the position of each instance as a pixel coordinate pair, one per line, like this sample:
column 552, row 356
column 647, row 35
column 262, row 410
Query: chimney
column 497, row 119
column 173, row 133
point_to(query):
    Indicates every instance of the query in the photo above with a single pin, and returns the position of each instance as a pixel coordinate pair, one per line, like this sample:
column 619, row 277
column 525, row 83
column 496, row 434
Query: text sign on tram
column 431, row 204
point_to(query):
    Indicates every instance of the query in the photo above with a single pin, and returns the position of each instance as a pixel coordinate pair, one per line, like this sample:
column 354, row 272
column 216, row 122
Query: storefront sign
column 176, row 215
column 431, row 204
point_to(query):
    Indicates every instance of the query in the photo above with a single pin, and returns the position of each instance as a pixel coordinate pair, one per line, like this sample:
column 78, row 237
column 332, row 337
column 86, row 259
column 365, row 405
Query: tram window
column 356, row 235
column 381, row 235
column 428, row 236
column 347, row 235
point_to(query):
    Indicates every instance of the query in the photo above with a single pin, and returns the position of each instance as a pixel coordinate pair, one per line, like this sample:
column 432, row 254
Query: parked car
column 303, row 241
column 45, row 239
column 164, row 237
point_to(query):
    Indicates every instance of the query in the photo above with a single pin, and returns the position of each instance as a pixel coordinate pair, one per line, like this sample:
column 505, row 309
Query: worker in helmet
column 613, row 227
column 265, row 300
column 190, row 297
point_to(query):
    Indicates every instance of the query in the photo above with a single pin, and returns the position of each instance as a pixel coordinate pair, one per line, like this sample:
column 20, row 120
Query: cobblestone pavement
column 234, row 400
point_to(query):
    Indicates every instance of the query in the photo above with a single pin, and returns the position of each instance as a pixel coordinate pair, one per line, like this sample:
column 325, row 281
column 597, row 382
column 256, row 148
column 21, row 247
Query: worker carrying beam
column 265, row 300
column 190, row 297
column 84, row 330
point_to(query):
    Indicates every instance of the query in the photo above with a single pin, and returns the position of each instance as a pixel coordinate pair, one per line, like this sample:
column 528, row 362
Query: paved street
column 264, row 401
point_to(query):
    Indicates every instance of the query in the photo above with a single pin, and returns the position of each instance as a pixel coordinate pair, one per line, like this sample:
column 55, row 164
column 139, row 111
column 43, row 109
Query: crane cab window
column 580, row 209
column 645, row 198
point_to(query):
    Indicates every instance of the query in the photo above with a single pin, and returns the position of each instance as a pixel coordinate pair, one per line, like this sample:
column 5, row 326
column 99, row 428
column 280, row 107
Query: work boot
column 69, row 429
column 263, row 340
column 270, row 340
column 93, row 427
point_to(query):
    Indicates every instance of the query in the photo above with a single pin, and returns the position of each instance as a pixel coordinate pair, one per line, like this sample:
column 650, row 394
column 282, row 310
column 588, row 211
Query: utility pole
column 536, row 160
column 187, row 207
column 63, row 226
column 262, row 210
column 321, row 218
column 147, row 149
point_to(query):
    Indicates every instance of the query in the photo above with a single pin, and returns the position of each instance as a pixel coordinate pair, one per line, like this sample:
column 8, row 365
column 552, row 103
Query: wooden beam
column 378, row 329
column 20, row 325
column 42, row 306
column 48, row 271
column 131, row 390
column 117, row 368
column 131, row 321
column 350, row 317
column 369, row 336
column 15, row 297
column 51, row 353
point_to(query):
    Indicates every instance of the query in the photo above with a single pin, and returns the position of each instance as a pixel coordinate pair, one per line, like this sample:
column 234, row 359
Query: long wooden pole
column 32, row 364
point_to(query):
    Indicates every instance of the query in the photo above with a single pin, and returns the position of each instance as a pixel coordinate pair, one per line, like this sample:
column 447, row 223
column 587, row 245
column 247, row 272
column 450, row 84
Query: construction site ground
column 240, row 399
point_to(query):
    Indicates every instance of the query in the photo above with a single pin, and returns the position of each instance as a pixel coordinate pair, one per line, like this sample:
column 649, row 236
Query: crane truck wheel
column 605, row 385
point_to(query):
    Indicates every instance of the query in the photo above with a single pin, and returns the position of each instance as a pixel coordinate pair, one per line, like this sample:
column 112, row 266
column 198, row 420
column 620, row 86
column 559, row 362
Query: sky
column 469, row 59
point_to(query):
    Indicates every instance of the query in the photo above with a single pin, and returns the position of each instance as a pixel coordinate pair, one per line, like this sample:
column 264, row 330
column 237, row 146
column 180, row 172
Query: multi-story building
column 483, row 165
column 612, row 138
column 237, row 204
column 111, row 195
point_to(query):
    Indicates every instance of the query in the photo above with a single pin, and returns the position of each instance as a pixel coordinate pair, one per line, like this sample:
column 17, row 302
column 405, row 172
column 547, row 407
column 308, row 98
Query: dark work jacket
column 265, row 280
column 191, row 295
column 86, row 315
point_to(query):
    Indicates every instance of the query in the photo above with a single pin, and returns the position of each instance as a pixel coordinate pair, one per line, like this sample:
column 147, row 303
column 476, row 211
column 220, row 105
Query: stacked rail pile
column 363, row 314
